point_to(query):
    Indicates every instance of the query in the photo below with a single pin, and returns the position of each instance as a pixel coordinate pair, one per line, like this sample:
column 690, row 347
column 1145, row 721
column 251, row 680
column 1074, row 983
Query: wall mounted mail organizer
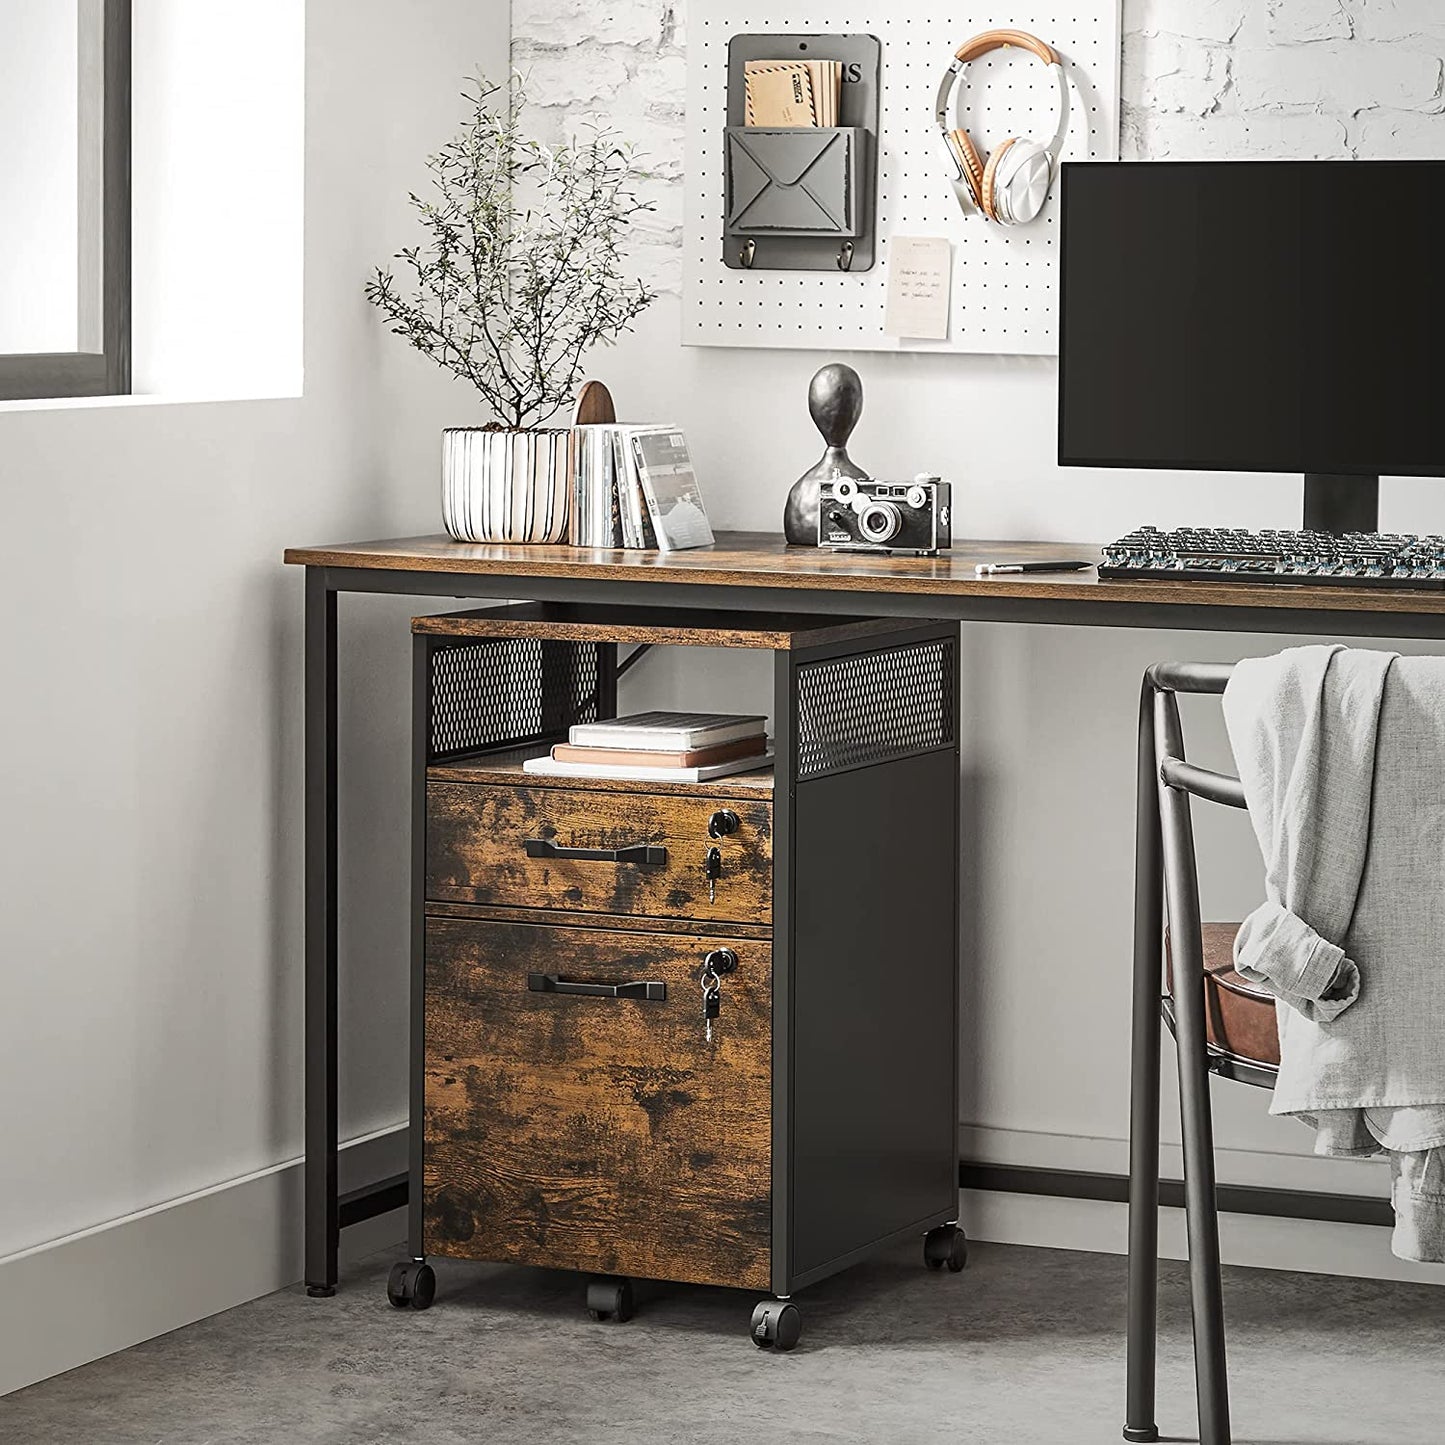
column 801, row 198
column 788, row 230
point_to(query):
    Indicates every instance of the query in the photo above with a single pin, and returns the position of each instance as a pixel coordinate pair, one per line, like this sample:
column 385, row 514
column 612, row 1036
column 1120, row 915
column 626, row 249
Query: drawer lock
column 721, row 961
column 723, row 824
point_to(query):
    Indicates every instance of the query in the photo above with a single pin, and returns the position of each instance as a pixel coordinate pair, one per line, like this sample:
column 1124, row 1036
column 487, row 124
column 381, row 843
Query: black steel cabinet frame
column 828, row 806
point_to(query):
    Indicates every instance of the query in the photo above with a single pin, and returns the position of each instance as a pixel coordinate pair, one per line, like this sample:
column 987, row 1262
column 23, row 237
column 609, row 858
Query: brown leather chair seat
column 1238, row 1017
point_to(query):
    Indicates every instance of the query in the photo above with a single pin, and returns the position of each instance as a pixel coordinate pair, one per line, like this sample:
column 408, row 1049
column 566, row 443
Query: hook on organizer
column 748, row 250
column 845, row 256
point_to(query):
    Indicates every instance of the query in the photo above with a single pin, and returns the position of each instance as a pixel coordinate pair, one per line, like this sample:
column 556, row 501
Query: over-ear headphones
column 1012, row 186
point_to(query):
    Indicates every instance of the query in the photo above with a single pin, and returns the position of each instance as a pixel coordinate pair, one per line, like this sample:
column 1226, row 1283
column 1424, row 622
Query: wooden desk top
column 762, row 560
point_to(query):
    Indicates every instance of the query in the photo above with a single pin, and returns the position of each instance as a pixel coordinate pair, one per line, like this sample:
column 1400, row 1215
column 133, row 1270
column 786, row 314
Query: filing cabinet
column 569, row 1109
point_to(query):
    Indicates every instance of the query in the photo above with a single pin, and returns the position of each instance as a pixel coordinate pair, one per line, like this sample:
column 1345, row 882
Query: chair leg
column 1182, row 890
column 1139, row 1422
column 1206, row 1292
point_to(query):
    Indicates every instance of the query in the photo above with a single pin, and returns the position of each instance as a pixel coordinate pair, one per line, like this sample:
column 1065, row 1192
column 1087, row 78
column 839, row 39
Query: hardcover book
column 665, row 732
column 749, row 747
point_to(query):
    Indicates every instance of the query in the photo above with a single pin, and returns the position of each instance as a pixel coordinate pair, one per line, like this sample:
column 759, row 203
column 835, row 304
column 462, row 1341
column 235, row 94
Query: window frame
column 50, row 375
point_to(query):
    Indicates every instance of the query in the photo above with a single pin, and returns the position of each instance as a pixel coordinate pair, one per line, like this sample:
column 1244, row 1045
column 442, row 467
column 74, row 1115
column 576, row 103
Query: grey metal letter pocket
column 801, row 198
column 798, row 182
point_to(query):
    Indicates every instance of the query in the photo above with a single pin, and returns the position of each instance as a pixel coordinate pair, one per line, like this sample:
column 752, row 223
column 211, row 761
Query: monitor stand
column 1337, row 504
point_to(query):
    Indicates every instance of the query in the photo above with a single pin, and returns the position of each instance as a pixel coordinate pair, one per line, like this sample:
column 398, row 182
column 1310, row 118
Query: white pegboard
column 1004, row 278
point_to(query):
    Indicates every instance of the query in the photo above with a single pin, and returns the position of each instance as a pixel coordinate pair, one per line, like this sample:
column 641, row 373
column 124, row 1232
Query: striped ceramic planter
column 506, row 485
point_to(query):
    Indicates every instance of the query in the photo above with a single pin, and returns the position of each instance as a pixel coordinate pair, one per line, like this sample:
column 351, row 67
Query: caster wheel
column 776, row 1325
column 609, row 1299
column 411, row 1286
column 946, row 1245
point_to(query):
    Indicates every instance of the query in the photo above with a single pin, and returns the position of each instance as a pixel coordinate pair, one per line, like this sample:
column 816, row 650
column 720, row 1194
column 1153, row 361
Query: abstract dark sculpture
column 835, row 401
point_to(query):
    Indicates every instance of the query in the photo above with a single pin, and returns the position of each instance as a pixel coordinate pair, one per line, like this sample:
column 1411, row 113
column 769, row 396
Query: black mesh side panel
column 872, row 706
column 504, row 692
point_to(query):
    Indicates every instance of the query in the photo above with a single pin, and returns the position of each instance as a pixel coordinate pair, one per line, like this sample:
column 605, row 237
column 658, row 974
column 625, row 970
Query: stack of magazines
column 634, row 486
column 663, row 747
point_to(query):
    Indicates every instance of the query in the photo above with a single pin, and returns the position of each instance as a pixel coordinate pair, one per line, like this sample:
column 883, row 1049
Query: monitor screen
column 1271, row 316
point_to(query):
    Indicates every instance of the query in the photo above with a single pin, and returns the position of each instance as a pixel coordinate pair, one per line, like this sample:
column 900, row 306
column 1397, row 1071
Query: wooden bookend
column 594, row 405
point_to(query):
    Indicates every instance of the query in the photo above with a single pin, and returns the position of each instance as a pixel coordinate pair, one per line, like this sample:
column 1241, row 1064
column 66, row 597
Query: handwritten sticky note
column 920, row 269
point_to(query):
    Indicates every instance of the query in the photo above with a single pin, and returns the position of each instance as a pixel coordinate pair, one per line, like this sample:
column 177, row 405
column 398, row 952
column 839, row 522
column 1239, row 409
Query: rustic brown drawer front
column 478, row 838
column 597, row 1133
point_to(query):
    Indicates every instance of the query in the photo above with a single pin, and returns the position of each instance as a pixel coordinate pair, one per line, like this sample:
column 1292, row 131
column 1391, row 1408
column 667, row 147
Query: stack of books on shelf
column 634, row 486
column 661, row 747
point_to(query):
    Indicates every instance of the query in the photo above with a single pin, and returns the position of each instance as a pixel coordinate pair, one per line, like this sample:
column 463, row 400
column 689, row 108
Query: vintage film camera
column 865, row 516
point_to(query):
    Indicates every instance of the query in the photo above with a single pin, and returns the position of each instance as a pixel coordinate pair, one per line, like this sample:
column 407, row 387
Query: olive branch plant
column 521, row 272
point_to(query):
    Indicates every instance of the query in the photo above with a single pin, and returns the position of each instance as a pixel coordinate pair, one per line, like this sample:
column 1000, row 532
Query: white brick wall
column 1284, row 78
column 619, row 63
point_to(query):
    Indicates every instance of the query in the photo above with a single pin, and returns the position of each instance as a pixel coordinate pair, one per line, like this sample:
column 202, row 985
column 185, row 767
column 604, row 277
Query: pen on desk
column 993, row 569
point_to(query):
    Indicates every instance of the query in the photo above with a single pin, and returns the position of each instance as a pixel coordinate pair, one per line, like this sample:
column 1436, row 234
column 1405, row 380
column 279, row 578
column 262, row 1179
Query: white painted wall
column 1048, row 712
column 39, row 179
column 150, row 860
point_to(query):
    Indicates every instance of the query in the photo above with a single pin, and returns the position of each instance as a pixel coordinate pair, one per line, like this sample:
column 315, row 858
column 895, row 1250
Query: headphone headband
column 1000, row 39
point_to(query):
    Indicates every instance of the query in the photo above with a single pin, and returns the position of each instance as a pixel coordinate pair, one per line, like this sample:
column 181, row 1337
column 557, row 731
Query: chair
column 1220, row 1024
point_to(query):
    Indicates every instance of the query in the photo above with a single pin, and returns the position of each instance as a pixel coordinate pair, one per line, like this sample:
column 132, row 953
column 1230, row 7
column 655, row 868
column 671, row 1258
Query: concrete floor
column 1026, row 1346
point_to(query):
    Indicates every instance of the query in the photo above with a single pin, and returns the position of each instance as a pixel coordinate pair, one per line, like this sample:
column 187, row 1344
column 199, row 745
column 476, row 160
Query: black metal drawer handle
column 642, row 854
column 552, row 983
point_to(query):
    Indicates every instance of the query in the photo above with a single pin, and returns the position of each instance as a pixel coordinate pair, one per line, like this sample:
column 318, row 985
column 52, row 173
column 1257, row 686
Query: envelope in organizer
column 800, row 181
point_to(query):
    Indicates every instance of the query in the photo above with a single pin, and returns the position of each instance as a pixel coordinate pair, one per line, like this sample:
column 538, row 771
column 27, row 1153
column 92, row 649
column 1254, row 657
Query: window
column 64, row 198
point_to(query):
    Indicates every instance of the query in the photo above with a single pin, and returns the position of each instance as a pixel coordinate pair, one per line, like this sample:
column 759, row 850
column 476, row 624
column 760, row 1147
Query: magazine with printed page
column 674, row 499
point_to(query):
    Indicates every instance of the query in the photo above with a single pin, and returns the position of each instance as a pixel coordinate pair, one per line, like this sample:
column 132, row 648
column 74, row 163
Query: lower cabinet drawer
column 592, row 1132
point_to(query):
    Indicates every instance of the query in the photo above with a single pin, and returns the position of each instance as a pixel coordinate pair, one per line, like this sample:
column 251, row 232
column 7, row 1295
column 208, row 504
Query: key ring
column 709, row 972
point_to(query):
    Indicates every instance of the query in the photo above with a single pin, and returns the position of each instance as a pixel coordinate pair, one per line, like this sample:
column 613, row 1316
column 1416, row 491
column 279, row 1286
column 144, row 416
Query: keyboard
column 1214, row 554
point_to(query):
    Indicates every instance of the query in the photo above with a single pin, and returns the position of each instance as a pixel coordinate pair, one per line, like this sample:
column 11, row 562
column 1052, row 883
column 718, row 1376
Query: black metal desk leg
column 1139, row 1422
column 322, row 1212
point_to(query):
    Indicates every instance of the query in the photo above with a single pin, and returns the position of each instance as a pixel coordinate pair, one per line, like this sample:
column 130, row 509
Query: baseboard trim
column 104, row 1289
column 1232, row 1198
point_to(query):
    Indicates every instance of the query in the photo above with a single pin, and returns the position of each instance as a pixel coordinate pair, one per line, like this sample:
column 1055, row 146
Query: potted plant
column 519, row 276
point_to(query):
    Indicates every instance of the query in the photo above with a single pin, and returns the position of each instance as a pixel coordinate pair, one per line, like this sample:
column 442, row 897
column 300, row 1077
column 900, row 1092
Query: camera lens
column 880, row 521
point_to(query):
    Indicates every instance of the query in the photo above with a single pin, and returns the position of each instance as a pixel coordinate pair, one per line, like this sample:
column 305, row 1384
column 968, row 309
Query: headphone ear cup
column 991, row 186
column 970, row 162
column 1021, row 182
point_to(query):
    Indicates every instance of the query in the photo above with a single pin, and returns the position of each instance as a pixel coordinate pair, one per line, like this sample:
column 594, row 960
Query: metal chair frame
column 1166, row 879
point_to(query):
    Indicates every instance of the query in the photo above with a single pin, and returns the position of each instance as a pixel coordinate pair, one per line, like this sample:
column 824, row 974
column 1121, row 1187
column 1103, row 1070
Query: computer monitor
column 1271, row 316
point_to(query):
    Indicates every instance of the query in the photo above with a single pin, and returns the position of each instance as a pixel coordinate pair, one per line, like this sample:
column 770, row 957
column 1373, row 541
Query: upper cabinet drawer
column 645, row 854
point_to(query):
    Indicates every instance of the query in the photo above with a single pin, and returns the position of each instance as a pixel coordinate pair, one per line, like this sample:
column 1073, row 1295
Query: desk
column 756, row 572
